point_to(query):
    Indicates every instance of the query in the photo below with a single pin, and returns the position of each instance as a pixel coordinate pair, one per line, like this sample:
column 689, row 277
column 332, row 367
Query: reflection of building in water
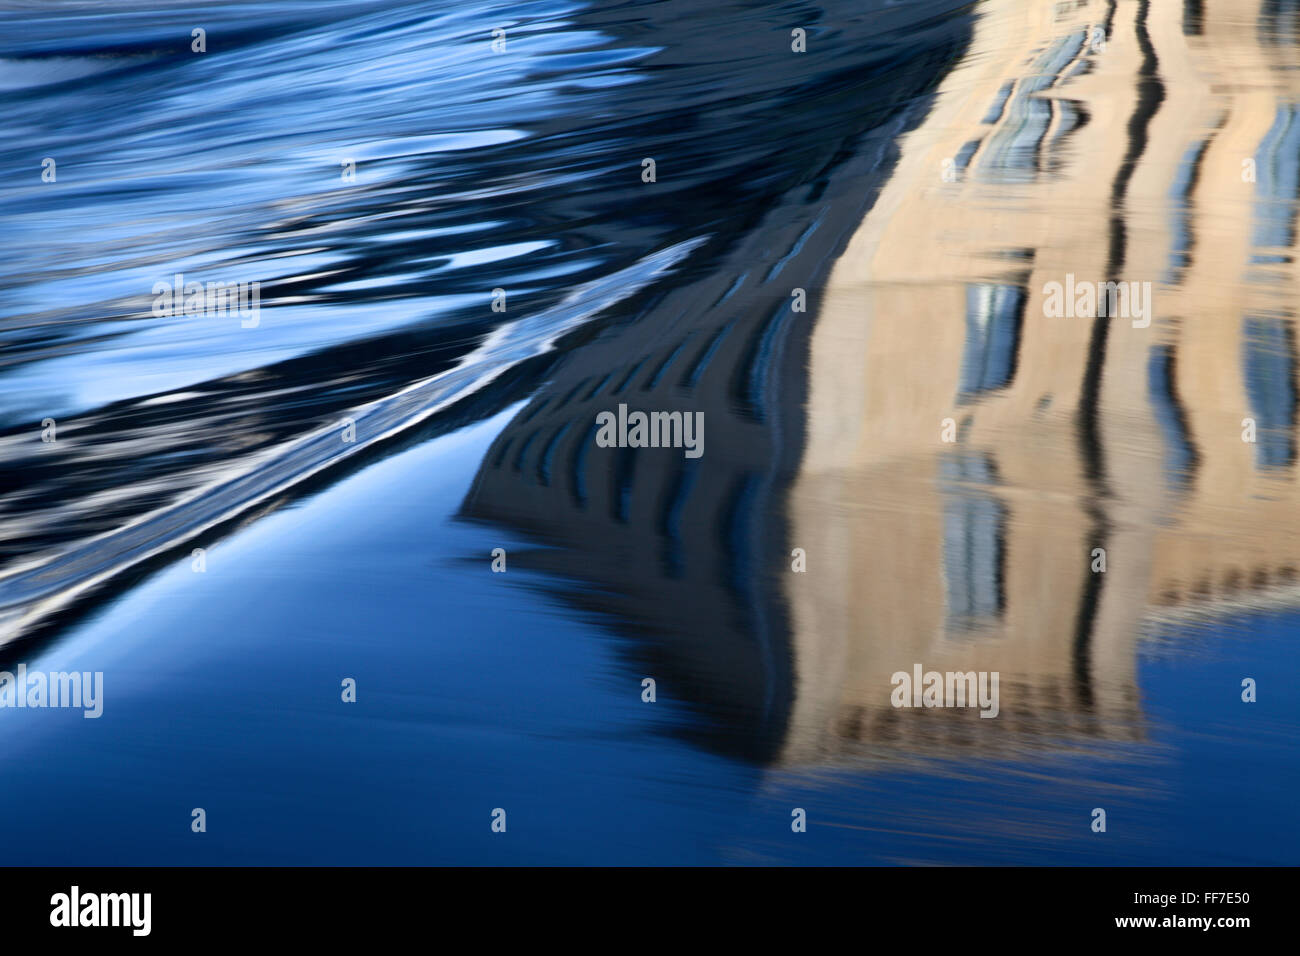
column 1111, row 146
column 683, row 555
column 1076, row 140
column 662, row 544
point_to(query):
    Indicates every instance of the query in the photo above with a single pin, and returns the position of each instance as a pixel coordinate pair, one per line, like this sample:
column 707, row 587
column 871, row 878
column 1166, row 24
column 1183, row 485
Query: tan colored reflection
column 1123, row 161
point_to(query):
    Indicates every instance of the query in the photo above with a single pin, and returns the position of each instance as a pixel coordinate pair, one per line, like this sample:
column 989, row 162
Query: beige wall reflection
column 1145, row 144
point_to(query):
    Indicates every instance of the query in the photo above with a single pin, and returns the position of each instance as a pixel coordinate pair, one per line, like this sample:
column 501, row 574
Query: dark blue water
column 327, row 559
column 224, row 695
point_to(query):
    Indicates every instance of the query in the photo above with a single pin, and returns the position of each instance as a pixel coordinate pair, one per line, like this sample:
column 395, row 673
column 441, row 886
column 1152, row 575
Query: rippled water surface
column 460, row 264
